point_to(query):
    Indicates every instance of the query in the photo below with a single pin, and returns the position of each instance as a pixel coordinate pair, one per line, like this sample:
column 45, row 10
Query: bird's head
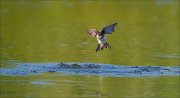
column 92, row 32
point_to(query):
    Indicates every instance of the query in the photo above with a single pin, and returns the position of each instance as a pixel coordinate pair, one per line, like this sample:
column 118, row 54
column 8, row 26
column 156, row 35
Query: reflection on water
column 77, row 80
column 41, row 82
column 88, row 69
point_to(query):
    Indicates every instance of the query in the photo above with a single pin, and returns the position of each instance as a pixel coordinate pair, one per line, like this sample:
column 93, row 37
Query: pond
column 38, row 37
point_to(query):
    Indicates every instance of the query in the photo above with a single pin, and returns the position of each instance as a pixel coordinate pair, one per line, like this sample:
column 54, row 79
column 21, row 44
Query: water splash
column 89, row 69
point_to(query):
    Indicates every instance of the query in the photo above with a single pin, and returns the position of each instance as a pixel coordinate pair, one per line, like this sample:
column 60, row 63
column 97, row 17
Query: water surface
column 143, row 61
column 53, row 31
column 89, row 69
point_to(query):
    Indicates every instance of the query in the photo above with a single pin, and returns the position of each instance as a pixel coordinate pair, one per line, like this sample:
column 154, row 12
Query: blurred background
column 37, row 31
column 55, row 31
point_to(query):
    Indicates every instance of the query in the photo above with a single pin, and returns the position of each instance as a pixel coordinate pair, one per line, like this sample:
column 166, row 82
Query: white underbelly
column 101, row 41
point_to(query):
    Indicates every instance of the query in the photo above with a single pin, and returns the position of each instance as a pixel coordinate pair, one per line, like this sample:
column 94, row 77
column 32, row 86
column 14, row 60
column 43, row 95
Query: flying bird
column 100, row 36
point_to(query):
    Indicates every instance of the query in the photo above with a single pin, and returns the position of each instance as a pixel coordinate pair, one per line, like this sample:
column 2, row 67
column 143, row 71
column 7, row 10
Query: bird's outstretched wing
column 92, row 32
column 109, row 29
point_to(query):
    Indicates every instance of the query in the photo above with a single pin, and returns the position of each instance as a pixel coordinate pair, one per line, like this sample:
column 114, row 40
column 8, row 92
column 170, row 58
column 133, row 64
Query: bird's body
column 100, row 36
column 101, row 39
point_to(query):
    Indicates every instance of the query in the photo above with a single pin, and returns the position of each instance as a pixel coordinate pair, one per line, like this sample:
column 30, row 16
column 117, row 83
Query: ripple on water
column 89, row 69
column 41, row 82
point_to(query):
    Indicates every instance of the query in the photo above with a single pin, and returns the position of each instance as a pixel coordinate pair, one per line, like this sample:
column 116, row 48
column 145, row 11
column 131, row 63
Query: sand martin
column 100, row 36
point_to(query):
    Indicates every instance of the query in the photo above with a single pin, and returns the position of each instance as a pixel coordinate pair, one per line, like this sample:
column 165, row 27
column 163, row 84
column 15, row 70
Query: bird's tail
column 98, row 48
column 106, row 45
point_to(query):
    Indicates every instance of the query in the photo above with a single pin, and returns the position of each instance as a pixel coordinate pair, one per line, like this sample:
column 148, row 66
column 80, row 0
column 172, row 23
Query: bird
column 100, row 36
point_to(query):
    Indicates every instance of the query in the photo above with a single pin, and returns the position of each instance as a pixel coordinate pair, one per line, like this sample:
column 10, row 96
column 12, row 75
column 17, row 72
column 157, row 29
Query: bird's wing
column 108, row 29
column 92, row 32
